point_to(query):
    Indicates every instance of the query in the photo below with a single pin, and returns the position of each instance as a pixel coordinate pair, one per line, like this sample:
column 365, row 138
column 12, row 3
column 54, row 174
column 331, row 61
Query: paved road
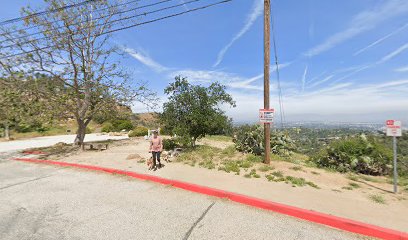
column 43, row 202
column 51, row 140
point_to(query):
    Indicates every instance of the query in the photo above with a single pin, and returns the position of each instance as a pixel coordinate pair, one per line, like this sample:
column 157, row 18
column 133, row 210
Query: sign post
column 394, row 130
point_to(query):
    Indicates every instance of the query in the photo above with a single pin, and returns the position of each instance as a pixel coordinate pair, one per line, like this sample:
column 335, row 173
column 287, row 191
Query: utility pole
column 267, row 41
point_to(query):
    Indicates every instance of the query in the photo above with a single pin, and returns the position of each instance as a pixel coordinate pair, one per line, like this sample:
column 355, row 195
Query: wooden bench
column 96, row 146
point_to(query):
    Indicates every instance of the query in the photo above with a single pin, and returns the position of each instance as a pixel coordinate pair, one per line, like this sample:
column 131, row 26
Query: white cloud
column 228, row 79
column 381, row 40
column 360, row 23
column 394, row 53
column 145, row 59
column 322, row 81
column 255, row 13
column 343, row 102
column 402, row 69
column 304, row 79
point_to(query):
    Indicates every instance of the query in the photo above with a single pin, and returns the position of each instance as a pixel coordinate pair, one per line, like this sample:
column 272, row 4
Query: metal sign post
column 394, row 130
column 395, row 165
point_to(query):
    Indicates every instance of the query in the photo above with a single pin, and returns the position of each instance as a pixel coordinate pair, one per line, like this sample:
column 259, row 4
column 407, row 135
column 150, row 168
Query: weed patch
column 354, row 185
column 296, row 168
column 253, row 158
column 377, row 199
column 265, row 168
column 209, row 164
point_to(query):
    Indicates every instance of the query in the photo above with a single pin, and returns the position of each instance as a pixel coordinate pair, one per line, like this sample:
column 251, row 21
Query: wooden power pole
column 267, row 30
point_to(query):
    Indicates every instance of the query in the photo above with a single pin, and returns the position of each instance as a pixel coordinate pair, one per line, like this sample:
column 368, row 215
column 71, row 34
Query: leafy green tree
column 194, row 111
column 73, row 48
column 22, row 104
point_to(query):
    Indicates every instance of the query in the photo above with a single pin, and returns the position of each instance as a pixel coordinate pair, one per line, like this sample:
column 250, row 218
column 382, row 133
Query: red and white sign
column 266, row 115
column 394, row 128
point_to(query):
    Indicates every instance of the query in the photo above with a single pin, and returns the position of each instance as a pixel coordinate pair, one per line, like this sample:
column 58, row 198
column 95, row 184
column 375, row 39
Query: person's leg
column 158, row 159
column 154, row 159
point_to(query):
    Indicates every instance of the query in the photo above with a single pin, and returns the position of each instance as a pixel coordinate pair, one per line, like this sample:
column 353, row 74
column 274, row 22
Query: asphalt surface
column 44, row 202
column 18, row 145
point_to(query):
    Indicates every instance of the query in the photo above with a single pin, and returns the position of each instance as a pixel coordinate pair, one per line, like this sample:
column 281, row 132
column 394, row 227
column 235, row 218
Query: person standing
column 156, row 147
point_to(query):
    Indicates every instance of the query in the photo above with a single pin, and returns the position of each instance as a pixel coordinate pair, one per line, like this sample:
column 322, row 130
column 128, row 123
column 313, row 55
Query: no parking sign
column 394, row 128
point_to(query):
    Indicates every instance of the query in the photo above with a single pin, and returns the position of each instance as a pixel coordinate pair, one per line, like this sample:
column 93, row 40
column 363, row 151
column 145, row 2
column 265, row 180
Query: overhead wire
column 99, row 18
column 129, row 26
column 280, row 96
column 97, row 10
column 13, row 20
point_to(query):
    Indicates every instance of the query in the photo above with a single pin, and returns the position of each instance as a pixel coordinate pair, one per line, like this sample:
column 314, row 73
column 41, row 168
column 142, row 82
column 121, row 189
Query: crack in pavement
column 198, row 221
column 32, row 180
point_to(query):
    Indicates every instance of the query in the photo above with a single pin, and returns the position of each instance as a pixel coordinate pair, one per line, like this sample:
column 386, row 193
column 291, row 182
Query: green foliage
column 354, row 185
column 245, row 164
column 169, row 144
column 88, row 130
column 229, row 151
column 253, row 158
column 297, row 168
column 220, row 138
column 377, row 199
column 278, row 174
column 265, row 168
column 122, row 124
column 194, row 111
column 138, row 131
column 108, row 127
column 253, row 174
column 282, row 144
column 357, row 154
column 230, row 166
column 250, row 139
column 209, row 164
column 118, row 125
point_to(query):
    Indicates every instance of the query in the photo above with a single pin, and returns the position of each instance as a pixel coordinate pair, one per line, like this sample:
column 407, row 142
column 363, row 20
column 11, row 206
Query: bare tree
column 73, row 46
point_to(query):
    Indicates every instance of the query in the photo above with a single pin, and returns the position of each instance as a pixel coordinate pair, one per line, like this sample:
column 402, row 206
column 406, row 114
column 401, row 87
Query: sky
column 339, row 61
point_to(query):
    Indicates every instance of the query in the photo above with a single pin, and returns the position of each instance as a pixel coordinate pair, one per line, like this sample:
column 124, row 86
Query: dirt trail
column 352, row 204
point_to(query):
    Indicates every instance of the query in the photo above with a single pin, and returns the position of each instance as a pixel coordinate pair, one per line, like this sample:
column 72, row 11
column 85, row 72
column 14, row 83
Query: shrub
column 138, row 131
column 120, row 125
column 169, row 144
column 265, row 168
column 253, row 158
column 377, row 199
column 107, row 127
column 357, row 155
column 250, row 139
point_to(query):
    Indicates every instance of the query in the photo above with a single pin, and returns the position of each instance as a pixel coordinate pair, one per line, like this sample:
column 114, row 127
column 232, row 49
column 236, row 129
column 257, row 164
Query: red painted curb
column 321, row 218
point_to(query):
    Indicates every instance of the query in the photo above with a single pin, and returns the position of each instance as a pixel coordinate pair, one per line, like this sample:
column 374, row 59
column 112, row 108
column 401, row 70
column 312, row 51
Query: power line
column 99, row 18
column 282, row 112
column 97, row 10
column 130, row 26
column 169, row 16
column 45, row 12
column 113, row 21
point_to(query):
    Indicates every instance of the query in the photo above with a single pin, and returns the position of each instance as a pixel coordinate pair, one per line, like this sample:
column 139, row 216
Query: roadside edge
column 309, row 215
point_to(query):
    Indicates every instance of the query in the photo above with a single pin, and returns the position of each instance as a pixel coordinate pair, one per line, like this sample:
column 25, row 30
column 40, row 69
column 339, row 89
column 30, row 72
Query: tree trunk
column 79, row 140
column 7, row 132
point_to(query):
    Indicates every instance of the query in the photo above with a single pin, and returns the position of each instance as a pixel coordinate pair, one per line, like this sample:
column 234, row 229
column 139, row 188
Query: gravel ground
column 43, row 202
column 51, row 140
